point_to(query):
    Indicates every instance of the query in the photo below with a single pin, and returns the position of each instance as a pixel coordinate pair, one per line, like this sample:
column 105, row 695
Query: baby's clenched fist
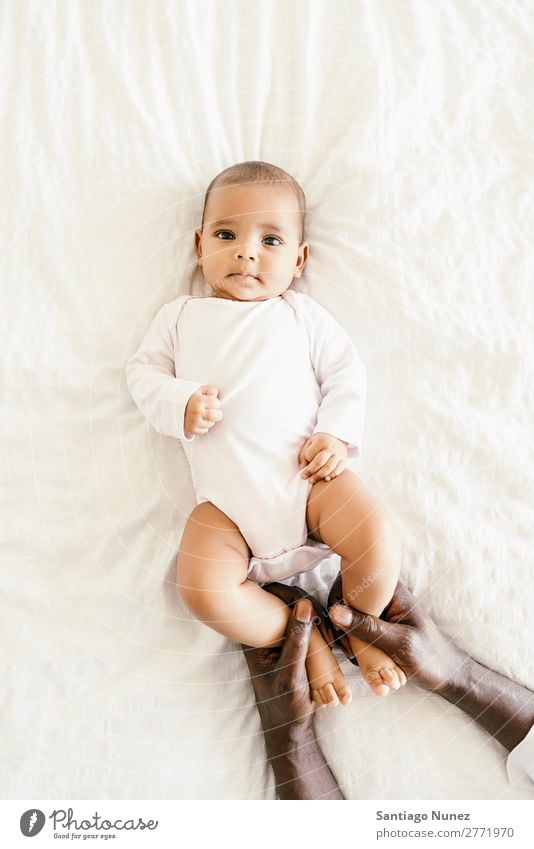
column 202, row 411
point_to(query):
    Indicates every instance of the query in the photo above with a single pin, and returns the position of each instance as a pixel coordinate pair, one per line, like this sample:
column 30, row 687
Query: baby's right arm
column 150, row 374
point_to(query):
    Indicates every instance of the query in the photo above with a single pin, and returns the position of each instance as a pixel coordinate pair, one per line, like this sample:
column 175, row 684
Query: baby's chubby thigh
column 348, row 516
column 212, row 561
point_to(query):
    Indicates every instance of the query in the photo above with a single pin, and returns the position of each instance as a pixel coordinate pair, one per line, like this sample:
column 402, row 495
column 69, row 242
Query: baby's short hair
column 256, row 171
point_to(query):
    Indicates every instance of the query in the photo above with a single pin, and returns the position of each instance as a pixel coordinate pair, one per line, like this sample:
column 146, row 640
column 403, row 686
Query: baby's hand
column 322, row 456
column 202, row 410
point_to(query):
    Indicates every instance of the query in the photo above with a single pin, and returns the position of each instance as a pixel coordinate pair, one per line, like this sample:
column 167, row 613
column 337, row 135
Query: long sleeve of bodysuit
column 151, row 378
column 341, row 375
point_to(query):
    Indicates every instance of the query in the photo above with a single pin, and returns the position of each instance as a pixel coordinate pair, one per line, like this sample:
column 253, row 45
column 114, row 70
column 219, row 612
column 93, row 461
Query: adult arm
column 505, row 709
column 286, row 712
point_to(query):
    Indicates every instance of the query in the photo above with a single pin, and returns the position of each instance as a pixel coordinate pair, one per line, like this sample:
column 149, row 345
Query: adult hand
column 279, row 678
column 286, row 710
column 290, row 596
column 331, row 636
column 407, row 634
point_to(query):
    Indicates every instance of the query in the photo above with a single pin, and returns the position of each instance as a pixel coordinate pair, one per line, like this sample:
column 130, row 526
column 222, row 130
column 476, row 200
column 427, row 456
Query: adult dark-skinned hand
column 286, row 709
column 332, row 636
column 279, row 678
column 407, row 634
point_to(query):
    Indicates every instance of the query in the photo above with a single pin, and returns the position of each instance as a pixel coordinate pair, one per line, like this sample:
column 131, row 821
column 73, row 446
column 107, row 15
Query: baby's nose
column 248, row 251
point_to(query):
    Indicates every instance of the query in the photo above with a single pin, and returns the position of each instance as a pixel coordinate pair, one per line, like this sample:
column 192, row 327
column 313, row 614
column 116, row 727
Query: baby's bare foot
column 326, row 679
column 379, row 670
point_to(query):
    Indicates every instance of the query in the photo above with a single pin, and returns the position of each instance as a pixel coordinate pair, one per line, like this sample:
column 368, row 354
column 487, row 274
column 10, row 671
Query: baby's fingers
column 316, row 464
column 337, row 471
column 212, row 416
column 332, row 469
column 324, row 470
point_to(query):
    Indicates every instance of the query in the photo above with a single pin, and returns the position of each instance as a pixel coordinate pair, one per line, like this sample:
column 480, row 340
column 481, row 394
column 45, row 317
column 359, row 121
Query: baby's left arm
column 342, row 379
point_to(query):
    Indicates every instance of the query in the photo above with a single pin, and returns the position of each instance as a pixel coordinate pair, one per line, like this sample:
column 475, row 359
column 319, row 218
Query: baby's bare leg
column 345, row 514
column 211, row 573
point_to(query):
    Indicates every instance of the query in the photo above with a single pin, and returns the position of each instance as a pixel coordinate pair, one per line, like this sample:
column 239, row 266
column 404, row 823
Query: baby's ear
column 198, row 237
column 303, row 255
column 298, row 271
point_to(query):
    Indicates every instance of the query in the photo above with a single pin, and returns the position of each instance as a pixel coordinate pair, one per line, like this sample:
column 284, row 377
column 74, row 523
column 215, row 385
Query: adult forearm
column 300, row 769
column 502, row 707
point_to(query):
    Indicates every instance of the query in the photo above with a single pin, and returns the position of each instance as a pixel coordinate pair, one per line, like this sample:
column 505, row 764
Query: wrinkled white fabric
column 520, row 763
column 285, row 369
column 409, row 126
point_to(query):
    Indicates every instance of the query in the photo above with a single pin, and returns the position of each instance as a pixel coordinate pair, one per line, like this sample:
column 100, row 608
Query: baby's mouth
column 243, row 278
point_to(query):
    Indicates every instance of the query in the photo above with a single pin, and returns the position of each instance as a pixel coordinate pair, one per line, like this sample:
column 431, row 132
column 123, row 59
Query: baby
column 267, row 394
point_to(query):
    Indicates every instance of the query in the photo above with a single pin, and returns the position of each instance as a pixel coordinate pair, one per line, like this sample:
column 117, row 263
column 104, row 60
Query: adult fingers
column 336, row 592
column 337, row 639
column 289, row 595
column 297, row 639
column 368, row 628
column 404, row 608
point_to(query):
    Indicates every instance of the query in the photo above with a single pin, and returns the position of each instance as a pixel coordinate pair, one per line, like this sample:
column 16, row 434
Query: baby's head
column 250, row 244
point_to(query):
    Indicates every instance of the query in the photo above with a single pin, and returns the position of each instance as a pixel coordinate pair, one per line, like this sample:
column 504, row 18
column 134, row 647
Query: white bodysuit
column 285, row 369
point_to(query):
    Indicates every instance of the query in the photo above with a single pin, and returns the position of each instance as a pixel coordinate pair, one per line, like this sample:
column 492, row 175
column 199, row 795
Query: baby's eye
column 275, row 238
column 224, row 234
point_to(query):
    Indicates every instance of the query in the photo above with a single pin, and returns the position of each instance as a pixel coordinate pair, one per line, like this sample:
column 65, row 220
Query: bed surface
column 409, row 126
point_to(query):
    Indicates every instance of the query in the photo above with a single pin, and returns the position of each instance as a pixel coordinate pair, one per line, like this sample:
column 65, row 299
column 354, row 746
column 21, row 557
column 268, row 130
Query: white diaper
column 302, row 559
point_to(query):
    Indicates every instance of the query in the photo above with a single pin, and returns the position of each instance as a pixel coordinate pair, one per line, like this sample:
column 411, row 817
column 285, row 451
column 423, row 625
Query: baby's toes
column 394, row 676
column 329, row 695
column 345, row 695
column 317, row 697
column 374, row 679
column 389, row 676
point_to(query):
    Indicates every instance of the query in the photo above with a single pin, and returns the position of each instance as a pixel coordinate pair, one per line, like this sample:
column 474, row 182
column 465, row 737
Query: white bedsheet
column 409, row 125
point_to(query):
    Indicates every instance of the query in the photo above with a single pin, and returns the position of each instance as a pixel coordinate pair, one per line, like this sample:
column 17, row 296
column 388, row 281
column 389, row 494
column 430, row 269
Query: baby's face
column 249, row 244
